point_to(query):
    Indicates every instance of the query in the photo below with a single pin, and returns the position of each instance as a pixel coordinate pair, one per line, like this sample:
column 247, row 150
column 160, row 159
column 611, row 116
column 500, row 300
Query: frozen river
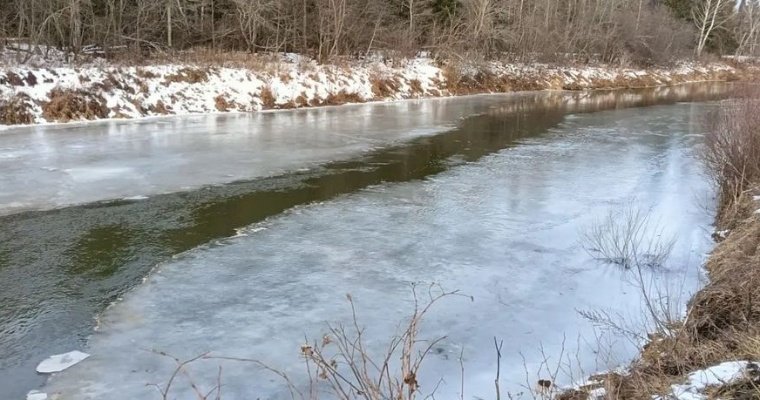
column 484, row 194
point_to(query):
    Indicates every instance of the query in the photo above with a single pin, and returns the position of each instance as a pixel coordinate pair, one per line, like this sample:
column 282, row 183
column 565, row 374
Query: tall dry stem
column 732, row 148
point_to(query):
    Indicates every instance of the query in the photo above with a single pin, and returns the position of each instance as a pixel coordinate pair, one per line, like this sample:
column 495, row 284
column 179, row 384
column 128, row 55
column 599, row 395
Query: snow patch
column 136, row 198
column 718, row 375
column 723, row 234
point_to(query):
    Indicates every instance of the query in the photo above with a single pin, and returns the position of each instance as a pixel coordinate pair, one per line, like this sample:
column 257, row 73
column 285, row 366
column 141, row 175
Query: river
column 256, row 226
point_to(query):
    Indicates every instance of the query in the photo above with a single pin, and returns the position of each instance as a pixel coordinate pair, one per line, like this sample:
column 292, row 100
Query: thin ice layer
column 53, row 166
column 504, row 230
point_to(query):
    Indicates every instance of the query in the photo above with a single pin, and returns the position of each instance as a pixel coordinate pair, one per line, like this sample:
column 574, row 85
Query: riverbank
column 39, row 95
column 714, row 350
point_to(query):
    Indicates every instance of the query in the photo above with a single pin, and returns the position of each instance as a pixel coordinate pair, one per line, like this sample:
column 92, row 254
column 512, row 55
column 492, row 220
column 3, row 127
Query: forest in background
column 636, row 32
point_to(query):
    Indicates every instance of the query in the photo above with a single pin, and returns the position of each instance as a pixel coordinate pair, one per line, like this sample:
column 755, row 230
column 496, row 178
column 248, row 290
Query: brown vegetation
column 383, row 87
column 268, row 101
column 189, row 75
column 416, row 88
column 342, row 97
column 222, row 104
column 16, row 110
column 31, row 79
column 302, row 101
column 67, row 105
column 144, row 73
column 732, row 152
column 159, row 108
column 13, row 79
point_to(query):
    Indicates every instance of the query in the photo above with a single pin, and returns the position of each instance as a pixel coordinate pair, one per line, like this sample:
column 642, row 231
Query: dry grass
column 342, row 97
column 71, row 105
column 416, row 88
column 383, row 87
column 268, row 101
column 188, row 75
column 732, row 151
column 16, row 110
column 343, row 361
column 222, row 104
column 302, row 100
column 159, row 108
column 145, row 74
column 13, row 79
column 452, row 76
column 486, row 81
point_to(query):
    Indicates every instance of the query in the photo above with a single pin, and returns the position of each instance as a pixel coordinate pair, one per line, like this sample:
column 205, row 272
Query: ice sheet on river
column 53, row 166
column 47, row 167
column 504, row 230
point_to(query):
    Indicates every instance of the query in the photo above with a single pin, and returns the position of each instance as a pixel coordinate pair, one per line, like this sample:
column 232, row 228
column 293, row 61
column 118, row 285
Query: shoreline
column 65, row 95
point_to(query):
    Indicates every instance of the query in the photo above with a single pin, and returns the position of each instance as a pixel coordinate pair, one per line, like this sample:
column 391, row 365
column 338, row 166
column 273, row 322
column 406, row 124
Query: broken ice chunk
column 36, row 395
column 59, row 362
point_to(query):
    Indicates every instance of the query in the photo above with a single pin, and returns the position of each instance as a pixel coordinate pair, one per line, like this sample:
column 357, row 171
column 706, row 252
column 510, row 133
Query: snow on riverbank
column 34, row 95
column 715, row 377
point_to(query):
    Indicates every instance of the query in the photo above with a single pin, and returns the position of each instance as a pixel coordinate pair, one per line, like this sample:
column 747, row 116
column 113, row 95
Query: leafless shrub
column 342, row 359
column 732, row 149
column 650, row 36
column 341, row 362
column 627, row 238
column 542, row 384
column 182, row 368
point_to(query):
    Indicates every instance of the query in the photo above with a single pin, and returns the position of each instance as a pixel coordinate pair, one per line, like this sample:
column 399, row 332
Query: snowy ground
column 504, row 230
column 294, row 82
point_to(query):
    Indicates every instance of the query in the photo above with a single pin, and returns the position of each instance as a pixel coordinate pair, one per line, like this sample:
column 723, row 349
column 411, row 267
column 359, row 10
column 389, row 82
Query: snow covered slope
column 33, row 95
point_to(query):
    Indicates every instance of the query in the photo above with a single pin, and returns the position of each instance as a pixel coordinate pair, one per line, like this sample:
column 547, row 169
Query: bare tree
column 710, row 16
column 747, row 30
